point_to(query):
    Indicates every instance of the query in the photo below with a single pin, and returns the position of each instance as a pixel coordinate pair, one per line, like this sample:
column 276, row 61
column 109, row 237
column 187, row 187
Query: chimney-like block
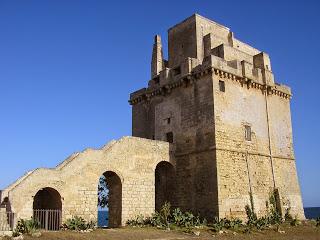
column 262, row 61
column 157, row 63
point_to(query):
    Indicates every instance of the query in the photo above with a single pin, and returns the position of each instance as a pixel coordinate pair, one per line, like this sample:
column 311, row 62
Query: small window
column 169, row 137
column 222, row 86
column 247, row 133
column 176, row 71
column 168, row 120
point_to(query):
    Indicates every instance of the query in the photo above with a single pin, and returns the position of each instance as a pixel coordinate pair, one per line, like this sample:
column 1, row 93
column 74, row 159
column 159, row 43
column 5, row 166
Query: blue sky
column 67, row 68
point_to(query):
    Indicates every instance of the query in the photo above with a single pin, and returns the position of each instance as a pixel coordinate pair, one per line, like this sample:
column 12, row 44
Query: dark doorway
column 47, row 209
column 109, row 200
column 165, row 184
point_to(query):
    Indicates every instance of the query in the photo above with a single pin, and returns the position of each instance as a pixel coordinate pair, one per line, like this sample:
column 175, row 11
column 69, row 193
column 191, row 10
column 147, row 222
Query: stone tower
column 229, row 123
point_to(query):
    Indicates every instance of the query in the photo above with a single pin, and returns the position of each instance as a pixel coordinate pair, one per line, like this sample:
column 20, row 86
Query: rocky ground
column 303, row 231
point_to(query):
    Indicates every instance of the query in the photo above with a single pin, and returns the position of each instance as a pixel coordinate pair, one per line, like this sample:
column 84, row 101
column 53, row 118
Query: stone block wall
column 259, row 165
column 133, row 160
column 187, row 113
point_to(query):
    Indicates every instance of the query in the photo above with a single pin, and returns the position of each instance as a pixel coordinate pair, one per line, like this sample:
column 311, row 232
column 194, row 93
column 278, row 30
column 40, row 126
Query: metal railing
column 6, row 221
column 49, row 219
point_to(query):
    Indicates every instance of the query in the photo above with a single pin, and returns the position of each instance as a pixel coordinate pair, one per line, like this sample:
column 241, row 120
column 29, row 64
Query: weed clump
column 167, row 218
column 26, row 227
column 78, row 224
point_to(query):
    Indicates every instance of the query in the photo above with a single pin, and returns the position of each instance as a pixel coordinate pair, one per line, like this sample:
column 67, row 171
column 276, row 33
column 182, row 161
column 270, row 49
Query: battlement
column 199, row 45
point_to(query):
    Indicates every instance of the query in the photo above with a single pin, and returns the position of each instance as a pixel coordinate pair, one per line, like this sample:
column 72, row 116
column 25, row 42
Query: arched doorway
column 47, row 208
column 164, row 184
column 109, row 200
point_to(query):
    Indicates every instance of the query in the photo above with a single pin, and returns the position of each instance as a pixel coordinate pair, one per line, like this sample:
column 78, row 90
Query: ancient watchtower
column 216, row 101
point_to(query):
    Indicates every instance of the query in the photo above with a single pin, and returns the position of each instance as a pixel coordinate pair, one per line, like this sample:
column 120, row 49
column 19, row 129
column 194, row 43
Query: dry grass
column 304, row 231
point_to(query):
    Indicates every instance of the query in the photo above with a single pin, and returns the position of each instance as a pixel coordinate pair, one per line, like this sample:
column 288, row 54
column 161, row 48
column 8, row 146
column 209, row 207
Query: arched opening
column 165, row 184
column 109, row 200
column 47, row 208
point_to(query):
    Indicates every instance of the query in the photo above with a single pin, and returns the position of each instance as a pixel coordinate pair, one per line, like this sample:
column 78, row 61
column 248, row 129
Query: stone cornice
column 189, row 79
column 240, row 151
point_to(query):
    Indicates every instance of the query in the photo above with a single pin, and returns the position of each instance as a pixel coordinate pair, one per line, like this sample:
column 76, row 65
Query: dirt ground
column 305, row 231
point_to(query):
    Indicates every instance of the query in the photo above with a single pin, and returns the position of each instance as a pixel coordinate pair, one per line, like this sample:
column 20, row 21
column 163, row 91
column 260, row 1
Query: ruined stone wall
column 190, row 110
column 133, row 160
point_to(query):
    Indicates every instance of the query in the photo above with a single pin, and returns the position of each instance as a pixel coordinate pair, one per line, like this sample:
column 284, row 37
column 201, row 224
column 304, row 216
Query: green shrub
column 232, row 224
column 287, row 216
column 91, row 225
column 274, row 214
column 295, row 222
column 156, row 220
column 186, row 219
column 216, row 227
column 137, row 221
column 318, row 222
column 78, row 224
column 165, row 213
column 178, row 217
column 26, row 227
column 165, row 217
column 262, row 223
column 251, row 216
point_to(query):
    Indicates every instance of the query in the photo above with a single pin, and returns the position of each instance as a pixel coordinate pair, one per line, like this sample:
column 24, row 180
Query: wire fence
column 49, row 219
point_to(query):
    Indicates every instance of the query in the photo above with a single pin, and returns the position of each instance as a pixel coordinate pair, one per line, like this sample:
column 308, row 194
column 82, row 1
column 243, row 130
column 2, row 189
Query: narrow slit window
column 169, row 137
column 222, row 86
column 247, row 132
column 168, row 120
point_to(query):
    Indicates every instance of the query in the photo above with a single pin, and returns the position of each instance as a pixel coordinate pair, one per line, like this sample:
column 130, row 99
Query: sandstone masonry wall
column 214, row 88
column 133, row 159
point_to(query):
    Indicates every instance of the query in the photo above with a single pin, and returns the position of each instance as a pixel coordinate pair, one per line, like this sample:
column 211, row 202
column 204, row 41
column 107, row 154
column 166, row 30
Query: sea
column 103, row 218
column 310, row 213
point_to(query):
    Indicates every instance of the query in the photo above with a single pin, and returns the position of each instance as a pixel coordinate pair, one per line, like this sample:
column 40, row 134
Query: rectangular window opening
column 222, row 86
column 168, row 120
column 169, row 137
column 247, row 133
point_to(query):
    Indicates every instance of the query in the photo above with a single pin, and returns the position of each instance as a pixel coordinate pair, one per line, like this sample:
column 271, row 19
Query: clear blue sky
column 67, row 68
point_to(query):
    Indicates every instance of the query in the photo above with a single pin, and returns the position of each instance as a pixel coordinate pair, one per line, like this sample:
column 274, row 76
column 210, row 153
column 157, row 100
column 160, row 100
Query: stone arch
column 48, row 199
column 114, row 185
column 47, row 208
column 6, row 204
column 164, row 184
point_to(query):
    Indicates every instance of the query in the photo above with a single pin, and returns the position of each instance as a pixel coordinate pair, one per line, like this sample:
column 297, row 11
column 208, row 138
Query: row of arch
column 48, row 199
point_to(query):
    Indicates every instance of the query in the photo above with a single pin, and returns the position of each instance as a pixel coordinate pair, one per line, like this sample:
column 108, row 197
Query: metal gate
column 49, row 219
column 6, row 221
